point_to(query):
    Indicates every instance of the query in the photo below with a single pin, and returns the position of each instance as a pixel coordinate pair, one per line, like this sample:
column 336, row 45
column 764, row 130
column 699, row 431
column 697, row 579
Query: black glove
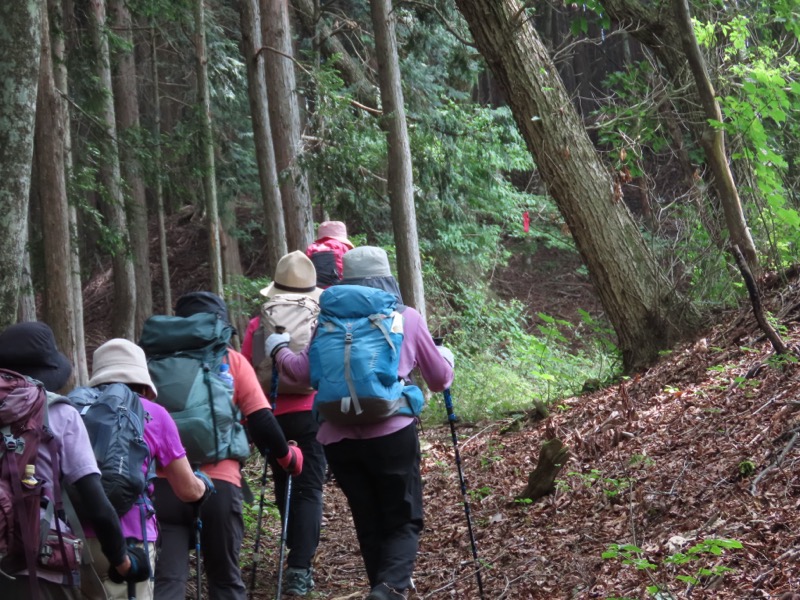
column 139, row 571
column 209, row 488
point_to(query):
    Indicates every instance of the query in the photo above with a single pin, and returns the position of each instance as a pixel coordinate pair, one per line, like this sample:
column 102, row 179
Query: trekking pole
column 284, row 533
column 197, row 530
column 131, row 590
column 451, row 418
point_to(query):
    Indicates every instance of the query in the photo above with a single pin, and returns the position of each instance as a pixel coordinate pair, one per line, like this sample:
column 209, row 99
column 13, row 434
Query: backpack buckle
column 348, row 338
column 11, row 443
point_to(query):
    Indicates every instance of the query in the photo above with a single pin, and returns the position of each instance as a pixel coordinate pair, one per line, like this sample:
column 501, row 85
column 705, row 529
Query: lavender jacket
column 418, row 350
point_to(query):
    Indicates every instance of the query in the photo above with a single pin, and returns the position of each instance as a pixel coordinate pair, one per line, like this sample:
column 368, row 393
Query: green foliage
column 702, row 553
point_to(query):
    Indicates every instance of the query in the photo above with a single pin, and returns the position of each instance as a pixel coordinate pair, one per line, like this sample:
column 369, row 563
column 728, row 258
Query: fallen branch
column 774, row 465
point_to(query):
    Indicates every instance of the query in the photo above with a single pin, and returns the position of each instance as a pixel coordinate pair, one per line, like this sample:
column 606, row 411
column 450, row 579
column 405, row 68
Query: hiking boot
column 385, row 592
column 297, row 582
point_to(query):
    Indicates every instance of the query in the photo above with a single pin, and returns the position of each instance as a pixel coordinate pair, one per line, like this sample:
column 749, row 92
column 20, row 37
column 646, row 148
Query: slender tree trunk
column 61, row 21
column 127, row 112
column 51, row 126
column 274, row 225
column 647, row 313
column 207, row 149
column 20, row 41
column 400, row 179
column 159, row 188
column 351, row 70
column 27, row 301
column 713, row 140
column 284, row 116
column 122, row 324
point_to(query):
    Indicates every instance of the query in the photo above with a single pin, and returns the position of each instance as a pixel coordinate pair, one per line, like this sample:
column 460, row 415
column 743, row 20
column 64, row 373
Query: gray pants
column 221, row 540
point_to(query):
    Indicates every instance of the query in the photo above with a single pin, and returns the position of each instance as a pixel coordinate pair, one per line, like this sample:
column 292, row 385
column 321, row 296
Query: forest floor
column 701, row 446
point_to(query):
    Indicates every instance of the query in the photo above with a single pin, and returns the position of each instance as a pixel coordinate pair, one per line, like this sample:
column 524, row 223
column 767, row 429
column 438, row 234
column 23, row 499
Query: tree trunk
column 27, row 301
column 284, row 114
column 62, row 20
column 20, row 40
column 127, row 112
column 207, row 149
column 646, row 312
column 159, row 188
column 51, row 125
column 400, row 176
column 658, row 28
column 712, row 140
column 351, row 71
column 274, row 225
column 124, row 282
column 541, row 481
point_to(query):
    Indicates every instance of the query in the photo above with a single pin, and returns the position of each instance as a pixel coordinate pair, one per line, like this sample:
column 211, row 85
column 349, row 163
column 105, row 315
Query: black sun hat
column 30, row 349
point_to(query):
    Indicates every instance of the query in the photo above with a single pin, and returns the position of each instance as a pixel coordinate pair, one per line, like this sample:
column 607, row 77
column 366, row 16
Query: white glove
column 274, row 342
column 447, row 354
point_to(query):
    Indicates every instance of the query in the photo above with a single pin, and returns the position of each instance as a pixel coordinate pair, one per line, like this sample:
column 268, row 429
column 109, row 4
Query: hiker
column 377, row 465
column 30, row 350
column 222, row 522
column 327, row 250
column 121, row 361
column 292, row 298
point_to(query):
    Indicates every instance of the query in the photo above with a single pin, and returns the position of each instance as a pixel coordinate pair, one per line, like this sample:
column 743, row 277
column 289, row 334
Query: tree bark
column 126, row 101
column 284, row 114
column 123, row 318
column 59, row 311
column 207, row 149
column 274, row 225
column 645, row 310
column 61, row 13
column 159, row 188
column 712, row 139
column 400, row 175
column 20, row 42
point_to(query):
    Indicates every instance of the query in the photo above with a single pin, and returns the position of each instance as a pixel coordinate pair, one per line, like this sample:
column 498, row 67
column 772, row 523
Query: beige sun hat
column 295, row 274
column 334, row 229
column 120, row 361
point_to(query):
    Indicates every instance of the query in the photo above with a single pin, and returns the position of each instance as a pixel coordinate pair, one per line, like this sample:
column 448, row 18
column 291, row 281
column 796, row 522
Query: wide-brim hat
column 30, row 349
column 335, row 230
column 121, row 361
column 369, row 266
column 295, row 274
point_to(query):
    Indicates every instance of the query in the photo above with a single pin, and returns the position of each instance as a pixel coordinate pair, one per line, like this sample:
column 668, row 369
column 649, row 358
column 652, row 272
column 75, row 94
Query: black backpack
column 114, row 417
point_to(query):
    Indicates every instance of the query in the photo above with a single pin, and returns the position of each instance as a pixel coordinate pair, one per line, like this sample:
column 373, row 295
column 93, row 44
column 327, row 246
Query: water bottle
column 225, row 374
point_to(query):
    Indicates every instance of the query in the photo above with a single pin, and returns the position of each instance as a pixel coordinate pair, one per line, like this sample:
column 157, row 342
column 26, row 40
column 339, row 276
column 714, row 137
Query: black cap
column 202, row 302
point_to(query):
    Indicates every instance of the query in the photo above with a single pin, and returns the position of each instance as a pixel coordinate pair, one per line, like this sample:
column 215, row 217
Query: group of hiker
column 106, row 491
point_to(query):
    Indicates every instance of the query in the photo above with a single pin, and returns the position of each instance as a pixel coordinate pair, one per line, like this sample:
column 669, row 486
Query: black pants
column 305, row 508
column 221, row 541
column 382, row 482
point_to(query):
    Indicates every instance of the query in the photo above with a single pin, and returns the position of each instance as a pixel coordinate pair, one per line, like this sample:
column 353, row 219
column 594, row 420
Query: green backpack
column 184, row 355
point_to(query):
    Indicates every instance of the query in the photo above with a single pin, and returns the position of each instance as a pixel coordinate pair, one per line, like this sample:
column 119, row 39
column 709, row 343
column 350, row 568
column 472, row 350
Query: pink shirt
column 418, row 350
column 284, row 403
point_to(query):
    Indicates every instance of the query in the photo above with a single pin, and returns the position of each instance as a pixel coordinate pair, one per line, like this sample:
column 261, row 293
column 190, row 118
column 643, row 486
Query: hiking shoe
column 297, row 582
column 385, row 592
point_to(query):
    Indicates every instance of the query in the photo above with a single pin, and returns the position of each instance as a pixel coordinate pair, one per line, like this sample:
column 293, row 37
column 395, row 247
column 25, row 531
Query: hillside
column 701, row 446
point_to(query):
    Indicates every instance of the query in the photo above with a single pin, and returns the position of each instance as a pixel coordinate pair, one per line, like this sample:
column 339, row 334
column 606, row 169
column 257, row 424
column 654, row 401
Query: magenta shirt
column 418, row 350
column 161, row 436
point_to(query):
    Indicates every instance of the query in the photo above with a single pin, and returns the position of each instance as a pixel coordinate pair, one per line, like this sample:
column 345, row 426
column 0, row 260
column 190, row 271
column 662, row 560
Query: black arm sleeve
column 266, row 434
column 103, row 518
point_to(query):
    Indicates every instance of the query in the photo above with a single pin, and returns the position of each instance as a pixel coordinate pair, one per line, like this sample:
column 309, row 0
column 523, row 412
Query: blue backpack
column 354, row 358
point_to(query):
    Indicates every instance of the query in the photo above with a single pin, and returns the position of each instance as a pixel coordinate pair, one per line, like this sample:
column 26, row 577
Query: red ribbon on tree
column 526, row 222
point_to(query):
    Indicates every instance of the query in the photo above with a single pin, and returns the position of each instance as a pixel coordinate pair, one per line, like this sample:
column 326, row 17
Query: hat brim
column 272, row 290
column 53, row 378
column 344, row 240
